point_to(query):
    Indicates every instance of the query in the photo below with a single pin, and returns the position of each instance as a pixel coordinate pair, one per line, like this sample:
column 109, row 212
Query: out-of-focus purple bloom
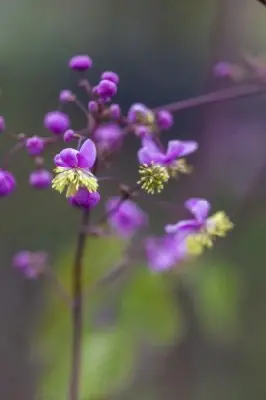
column 164, row 119
column 2, row 124
column 125, row 217
column 35, row 145
column 93, row 106
column 73, row 169
column 115, row 111
column 165, row 252
column 106, row 89
column 66, row 96
column 223, row 69
column 7, row 183
column 57, row 122
column 140, row 114
column 85, row 199
column 80, row 62
column 142, row 132
column 31, row 264
column 150, row 153
column 69, row 135
column 108, row 137
column 40, row 179
column 110, row 76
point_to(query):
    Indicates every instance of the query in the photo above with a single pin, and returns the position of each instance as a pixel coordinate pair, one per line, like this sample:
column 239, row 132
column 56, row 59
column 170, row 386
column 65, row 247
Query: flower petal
column 199, row 208
column 87, row 154
column 150, row 144
column 145, row 156
column 186, row 226
column 178, row 148
column 69, row 157
column 59, row 162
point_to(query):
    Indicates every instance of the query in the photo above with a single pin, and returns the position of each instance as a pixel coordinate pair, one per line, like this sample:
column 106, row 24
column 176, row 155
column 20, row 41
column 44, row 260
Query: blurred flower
column 164, row 119
column 108, row 137
column 66, row 96
column 35, row 145
column 2, row 124
column 73, row 169
column 125, row 217
column 140, row 114
column 165, row 252
column 110, row 76
column 80, row 62
column 115, row 111
column 32, row 264
column 57, row 122
column 83, row 198
column 106, row 89
column 201, row 231
column 93, row 106
column 40, row 179
column 7, row 183
column 69, row 135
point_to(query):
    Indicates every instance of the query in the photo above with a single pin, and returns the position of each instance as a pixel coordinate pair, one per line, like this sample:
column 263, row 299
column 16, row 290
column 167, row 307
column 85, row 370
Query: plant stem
column 77, row 311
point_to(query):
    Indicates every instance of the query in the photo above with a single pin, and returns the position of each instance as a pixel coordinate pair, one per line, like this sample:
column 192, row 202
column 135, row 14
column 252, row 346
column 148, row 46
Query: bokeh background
column 200, row 334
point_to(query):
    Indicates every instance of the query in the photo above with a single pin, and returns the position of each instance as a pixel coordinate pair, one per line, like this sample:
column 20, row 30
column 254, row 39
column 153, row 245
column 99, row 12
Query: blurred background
column 201, row 334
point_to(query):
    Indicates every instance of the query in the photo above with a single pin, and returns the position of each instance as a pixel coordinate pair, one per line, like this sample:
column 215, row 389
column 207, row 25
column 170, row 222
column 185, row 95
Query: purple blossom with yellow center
column 165, row 252
column 73, row 169
column 200, row 232
column 125, row 217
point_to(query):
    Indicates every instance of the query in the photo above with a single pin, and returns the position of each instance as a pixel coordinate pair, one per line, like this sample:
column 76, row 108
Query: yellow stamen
column 179, row 167
column 71, row 179
column 153, row 178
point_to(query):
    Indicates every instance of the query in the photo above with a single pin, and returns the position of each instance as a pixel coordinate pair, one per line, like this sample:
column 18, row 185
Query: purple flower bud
column 80, row 63
column 83, row 198
column 137, row 113
column 2, row 124
column 57, row 122
column 7, row 183
column 32, row 264
column 40, row 179
column 110, row 76
column 222, row 69
column 106, row 89
column 93, row 106
column 66, row 96
column 142, row 131
column 108, row 137
column 164, row 119
column 35, row 145
column 115, row 111
column 69, row 135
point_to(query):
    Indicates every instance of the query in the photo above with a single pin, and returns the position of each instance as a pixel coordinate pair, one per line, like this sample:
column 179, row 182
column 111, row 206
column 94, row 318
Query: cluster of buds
column 77, row 167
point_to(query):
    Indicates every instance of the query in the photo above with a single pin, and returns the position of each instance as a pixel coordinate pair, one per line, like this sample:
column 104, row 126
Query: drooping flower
column 165, row 252
column 35, row 145
column 7, row 183
column 200, row 232
column 83, row 198
column 2, row 124
column 108, row 137
column 74, row 169
column 40, row 179
column 80, row 62
column 125, row 217
column 57, row 122
column 31, row 264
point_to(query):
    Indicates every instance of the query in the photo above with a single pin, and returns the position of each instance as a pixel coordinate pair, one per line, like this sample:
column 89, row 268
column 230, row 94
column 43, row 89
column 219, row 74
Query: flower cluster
column 77, row 168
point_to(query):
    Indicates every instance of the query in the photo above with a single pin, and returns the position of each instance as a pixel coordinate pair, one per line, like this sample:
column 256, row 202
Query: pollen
column 179, row 167
column 71, row 179
column 219, row 224
column 153, row 178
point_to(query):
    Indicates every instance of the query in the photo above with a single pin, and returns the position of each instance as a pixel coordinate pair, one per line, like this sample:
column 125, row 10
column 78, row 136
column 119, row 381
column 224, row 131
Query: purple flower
column 108, row 137
column 200, row 231
column 165, row 252
column 40, row 179
column 85, row 199
column 222, row 69
column 2, row 124
column 93, row 106
column 142, row 132
column 110, row 76
column 35, row 145
column 150, row 153
column 32, row 264
column 115, row 111
column 7, row 183
column 106, row 89
column 57, row 122
column 125, row 217
column 66, row 96
column 140, row 114
column 80, row 62
column 69, row 135
column 73, row 169
column 164, row 119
